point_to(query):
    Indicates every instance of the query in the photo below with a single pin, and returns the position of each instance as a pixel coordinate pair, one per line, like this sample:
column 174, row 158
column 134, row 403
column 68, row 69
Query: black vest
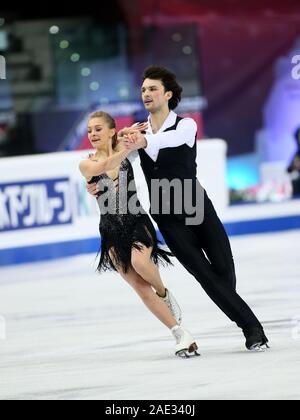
column 173, row 163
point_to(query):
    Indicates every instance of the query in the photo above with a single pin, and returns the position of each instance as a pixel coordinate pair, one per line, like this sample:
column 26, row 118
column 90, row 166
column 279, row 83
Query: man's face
column 154, row 95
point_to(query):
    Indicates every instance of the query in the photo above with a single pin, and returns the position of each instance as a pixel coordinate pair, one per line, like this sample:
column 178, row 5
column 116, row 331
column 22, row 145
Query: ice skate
column 186, row 346
column 256, row 340
column 171, row 302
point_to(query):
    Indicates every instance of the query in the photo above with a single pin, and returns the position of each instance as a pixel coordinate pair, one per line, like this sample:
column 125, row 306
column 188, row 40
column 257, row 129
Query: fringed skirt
column 120, row 235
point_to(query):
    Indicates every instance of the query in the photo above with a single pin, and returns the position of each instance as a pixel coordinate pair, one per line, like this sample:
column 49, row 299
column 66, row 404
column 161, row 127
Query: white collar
column 169, row 122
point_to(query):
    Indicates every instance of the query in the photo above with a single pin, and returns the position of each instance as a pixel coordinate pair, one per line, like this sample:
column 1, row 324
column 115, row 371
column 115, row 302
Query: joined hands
column 133, row 138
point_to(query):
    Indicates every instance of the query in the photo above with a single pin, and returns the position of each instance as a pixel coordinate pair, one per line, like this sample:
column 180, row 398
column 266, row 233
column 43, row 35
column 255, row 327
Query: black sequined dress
column 124, row 225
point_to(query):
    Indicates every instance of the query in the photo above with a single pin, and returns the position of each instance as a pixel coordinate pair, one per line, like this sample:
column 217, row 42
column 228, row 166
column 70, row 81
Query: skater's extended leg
column 185, row 343
column 184, row 244
column 144, row 266
column 215, row 242
column 156, row 305
column 142, row 263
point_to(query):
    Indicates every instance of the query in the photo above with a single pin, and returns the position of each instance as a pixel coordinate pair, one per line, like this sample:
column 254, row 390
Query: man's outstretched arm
column 152, row 143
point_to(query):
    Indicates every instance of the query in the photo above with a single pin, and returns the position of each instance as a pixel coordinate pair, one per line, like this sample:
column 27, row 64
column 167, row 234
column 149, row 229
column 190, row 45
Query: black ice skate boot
column 256, row 339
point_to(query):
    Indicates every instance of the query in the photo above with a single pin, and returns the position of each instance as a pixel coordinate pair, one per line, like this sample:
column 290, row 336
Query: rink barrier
column 54, row 251
column 46, row 213
column 254, row 227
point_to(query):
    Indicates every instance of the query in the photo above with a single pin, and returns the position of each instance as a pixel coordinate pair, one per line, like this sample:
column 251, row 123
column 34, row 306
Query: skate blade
column 259, row 348
column 189, row 353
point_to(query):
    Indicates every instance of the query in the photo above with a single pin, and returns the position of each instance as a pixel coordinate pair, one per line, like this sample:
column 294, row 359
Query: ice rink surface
column 68, row 334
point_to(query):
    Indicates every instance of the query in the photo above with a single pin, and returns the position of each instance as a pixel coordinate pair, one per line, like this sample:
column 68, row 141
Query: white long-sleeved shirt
column 185, row 133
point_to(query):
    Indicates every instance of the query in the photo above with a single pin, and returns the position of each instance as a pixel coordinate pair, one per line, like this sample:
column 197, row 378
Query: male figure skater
column 168, row 151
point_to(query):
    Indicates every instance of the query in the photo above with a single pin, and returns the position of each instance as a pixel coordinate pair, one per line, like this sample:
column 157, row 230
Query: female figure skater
column 129, row 242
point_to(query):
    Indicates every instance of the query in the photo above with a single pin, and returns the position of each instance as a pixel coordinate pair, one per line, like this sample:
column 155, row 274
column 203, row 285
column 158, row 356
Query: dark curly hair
column 169, row 81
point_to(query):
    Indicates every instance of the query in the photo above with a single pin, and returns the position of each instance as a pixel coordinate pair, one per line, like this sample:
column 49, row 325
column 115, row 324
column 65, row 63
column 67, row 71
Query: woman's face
column 99, row 132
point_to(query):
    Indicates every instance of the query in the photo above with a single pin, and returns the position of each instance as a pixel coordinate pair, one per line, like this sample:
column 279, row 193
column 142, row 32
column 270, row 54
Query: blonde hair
column 111, row 123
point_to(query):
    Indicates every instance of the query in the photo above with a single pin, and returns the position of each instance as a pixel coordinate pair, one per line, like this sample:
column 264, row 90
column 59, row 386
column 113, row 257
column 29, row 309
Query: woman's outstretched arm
column 91, row 168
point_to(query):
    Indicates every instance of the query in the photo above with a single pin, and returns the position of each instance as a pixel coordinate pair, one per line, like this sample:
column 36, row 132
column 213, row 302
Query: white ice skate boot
column 172, row 304
column 186, row 346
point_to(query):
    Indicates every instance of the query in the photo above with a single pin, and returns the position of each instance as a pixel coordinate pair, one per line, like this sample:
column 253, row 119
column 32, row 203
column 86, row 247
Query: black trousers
column 205, row 251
